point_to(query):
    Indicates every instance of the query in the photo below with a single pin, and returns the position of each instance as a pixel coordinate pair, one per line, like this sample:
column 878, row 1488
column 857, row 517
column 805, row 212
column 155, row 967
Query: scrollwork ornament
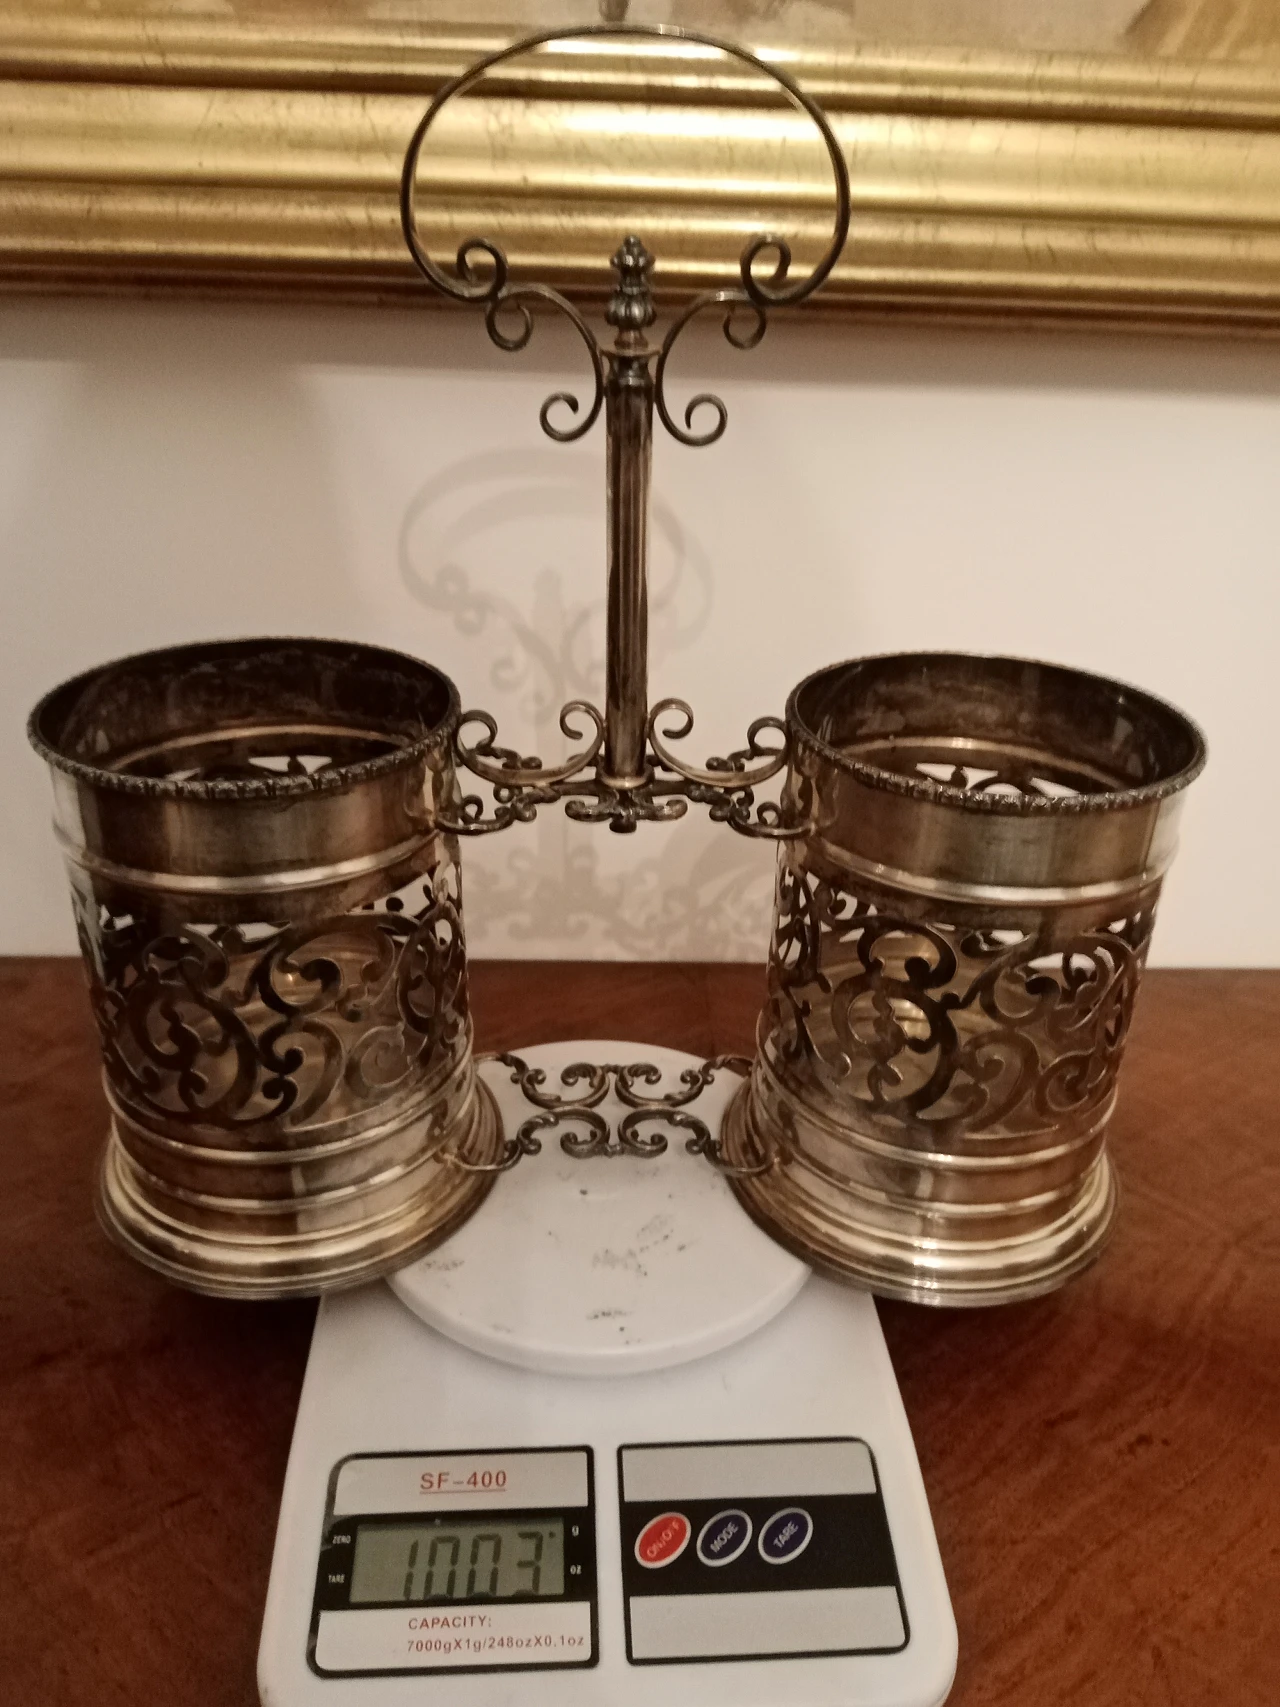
column 585, row 1133
column 627, row 774
column 737, row 770
column 945, row 1030
column 518, row 297
column 727, row 785
column 520, row 784
column 485, row 282
column 733, row 300
column 505, row 768
column 647, row 783
column 231, row 1027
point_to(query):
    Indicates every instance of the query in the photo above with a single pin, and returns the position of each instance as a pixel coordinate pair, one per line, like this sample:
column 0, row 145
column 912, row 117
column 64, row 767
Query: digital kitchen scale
column 608, row 1440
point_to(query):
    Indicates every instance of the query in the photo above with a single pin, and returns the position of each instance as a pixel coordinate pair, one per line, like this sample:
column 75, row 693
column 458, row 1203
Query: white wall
column 169, row 473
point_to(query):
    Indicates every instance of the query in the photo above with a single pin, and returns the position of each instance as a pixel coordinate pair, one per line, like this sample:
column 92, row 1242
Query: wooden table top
column 1103, row 1465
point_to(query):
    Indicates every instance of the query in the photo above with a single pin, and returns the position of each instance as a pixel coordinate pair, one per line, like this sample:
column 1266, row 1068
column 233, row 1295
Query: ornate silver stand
column 973, row 848
column 267, row 878
column 627, row 771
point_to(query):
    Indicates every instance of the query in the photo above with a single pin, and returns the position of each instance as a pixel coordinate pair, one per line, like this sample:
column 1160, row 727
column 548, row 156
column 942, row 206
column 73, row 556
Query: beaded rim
column 327, row 780
column 1004, row 805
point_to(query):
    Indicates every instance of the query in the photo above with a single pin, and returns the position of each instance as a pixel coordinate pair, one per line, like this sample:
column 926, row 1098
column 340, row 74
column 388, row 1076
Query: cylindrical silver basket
column 272, row 927
column 958, row 940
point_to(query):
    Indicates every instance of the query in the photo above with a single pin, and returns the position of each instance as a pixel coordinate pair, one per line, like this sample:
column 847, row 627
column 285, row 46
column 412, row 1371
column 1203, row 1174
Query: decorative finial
column 631, row 306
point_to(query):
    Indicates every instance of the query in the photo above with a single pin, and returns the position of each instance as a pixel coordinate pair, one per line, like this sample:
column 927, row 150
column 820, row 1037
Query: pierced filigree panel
column 945, row 1028
column 300, row 1025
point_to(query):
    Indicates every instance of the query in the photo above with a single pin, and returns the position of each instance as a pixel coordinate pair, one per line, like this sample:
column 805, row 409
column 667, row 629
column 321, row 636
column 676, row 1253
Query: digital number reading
column 410, row 1564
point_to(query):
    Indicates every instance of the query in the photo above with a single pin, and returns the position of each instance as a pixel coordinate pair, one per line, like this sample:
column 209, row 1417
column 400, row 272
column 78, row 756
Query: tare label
column 426, row 1637
column 482, row 1481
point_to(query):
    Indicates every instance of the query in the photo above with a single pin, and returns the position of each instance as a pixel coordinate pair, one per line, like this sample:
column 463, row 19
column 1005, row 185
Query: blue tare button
column 785, row 1536
column 724, row 1537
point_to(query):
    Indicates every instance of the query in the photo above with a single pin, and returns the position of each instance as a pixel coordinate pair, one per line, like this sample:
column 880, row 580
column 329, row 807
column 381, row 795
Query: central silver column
column 629, row 460
column 629, row 424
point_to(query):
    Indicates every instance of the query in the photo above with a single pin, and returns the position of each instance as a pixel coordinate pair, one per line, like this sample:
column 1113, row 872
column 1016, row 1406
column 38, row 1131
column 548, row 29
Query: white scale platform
column 638, row 1447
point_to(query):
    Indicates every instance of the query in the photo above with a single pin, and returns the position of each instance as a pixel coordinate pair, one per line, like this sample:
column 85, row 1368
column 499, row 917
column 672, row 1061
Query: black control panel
column 752, row 1546
column 756, row 1549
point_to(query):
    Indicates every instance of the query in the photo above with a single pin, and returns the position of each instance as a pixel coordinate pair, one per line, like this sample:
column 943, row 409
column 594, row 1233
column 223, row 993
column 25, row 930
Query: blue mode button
column 785, row 1536
column 724, row 1538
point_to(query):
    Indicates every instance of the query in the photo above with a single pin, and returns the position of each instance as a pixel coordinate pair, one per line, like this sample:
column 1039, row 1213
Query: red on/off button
column 663, row 1539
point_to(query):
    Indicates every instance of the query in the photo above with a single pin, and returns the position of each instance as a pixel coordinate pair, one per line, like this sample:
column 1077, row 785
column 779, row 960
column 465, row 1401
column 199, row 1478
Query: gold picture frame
column 172, row 152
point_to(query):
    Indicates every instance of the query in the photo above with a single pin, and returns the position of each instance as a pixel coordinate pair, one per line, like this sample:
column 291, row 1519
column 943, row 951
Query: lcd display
column 410, row 1564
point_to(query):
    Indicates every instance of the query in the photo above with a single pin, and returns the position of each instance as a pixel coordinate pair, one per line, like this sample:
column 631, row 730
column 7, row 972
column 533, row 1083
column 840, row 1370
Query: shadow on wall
column 553, row 887
column 546, row 647
column 168, row 478
column 172, row 473
column 552, row 893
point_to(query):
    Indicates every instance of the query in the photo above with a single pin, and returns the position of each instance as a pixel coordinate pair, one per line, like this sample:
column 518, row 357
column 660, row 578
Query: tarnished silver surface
column 958, row 940
column 271, row 922
column 626, row 775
